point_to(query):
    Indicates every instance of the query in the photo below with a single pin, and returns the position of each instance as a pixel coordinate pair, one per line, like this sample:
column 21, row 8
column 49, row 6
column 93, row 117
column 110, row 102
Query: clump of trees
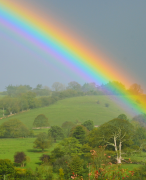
column 13, row 128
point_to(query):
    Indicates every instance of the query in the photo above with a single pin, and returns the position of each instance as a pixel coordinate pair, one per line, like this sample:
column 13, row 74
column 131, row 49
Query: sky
column 117, row 28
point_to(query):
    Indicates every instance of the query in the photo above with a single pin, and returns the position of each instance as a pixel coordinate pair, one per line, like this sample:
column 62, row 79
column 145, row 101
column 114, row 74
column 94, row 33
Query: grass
column 8, row 148
column 72, row 109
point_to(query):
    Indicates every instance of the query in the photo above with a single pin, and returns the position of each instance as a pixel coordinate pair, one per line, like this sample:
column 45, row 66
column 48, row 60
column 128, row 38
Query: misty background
column 117, row 28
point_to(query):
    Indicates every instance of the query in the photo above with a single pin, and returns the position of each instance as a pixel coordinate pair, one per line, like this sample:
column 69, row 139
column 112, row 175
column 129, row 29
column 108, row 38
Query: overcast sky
column 118, row 28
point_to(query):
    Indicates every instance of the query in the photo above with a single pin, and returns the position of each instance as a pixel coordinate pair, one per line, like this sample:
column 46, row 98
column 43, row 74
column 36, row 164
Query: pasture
column 8, row 147
column 76, row 109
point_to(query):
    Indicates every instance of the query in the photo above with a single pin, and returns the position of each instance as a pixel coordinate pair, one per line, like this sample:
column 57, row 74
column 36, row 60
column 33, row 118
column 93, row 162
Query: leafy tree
column 89, row 87
column 135, row 89
column 6, row 167
column 76, row 166
column 56, row 132
column 88, row 124
column 115, row 133
column 41, row 121
column 71, row 146
column 141, row 119
column 57, row 86
column 14, row 128
column 114, row 87
column 57, row 152
column 45, row 158
column 20, row 157
column 67, row 126
column 42, row 141
column 15, row 90
column 46, row 171
column 79, row 132
column 122, row 116
column 30, row 97
column 74, row 85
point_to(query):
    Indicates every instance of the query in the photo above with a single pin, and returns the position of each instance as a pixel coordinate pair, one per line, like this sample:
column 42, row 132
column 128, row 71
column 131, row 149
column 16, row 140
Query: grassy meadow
column 8, row 147
column 73, row 109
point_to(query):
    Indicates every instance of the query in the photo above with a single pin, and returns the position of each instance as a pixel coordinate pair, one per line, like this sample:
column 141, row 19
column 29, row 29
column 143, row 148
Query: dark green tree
column 20, row 158
column 41, row 121
column 56, row 132
column 122, row 116
column 42, row 141
column 88, row 124
column 76, row 166
column 45, row 158
column 79, row 132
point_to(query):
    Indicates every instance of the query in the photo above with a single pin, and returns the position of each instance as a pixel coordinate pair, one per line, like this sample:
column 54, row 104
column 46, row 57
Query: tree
column 20, row 157
column 56, row 132
column 74, row 85
column 115, row 133
column 135, row 89
column 14, row 128
column 41, row 121
column 6, row 167
column 89, row 87
column 114, row 87
column 141, row 119
column 57, row 86
column 79, row 132
column 67, row 126
column 45, row 158
column 122, row 116
column 42, row 141
column 76, row 166
column 71, row 146
column 88, row 124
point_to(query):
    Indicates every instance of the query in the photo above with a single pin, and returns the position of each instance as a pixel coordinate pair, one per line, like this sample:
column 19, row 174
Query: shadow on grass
column 37, row 150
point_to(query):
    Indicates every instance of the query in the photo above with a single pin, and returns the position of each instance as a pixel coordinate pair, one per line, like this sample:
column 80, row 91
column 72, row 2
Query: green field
column 8, row 147
column 77, row 108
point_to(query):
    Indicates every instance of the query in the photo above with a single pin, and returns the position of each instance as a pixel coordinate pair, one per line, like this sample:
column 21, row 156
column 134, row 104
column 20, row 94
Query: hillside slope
column 77, row 108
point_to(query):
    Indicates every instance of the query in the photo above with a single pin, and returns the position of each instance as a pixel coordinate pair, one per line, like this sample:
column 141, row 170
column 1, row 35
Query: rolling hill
column 73, row 109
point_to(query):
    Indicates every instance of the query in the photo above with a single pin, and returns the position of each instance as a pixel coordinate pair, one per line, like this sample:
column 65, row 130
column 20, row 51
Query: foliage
column 41, row 121
column 141, row 119
column 6, row 167
column 79, row 132
column 45, row 158
column 122, row 116
column 71, row 146
column 74, row 86
column 57, row 86
column 20, row 157
column 67, row 126
column 135, row 89
column 13, row 128
column 115, row 133
column 42, row 141
column 56, row 132
column 88, row 124
column 76, row 165
column 114, row 88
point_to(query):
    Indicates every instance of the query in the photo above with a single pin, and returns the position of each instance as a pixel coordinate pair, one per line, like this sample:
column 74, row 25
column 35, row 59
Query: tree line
column 24, row 97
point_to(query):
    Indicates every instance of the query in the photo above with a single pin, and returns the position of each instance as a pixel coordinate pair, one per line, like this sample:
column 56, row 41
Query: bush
column 106, row 104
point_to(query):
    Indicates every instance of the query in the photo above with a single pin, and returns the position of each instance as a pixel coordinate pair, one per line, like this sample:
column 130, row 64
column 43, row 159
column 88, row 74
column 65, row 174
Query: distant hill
column 100, row 109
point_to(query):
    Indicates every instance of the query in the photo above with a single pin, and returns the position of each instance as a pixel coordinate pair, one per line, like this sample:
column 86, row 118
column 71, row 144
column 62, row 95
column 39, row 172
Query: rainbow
column 67, row 49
